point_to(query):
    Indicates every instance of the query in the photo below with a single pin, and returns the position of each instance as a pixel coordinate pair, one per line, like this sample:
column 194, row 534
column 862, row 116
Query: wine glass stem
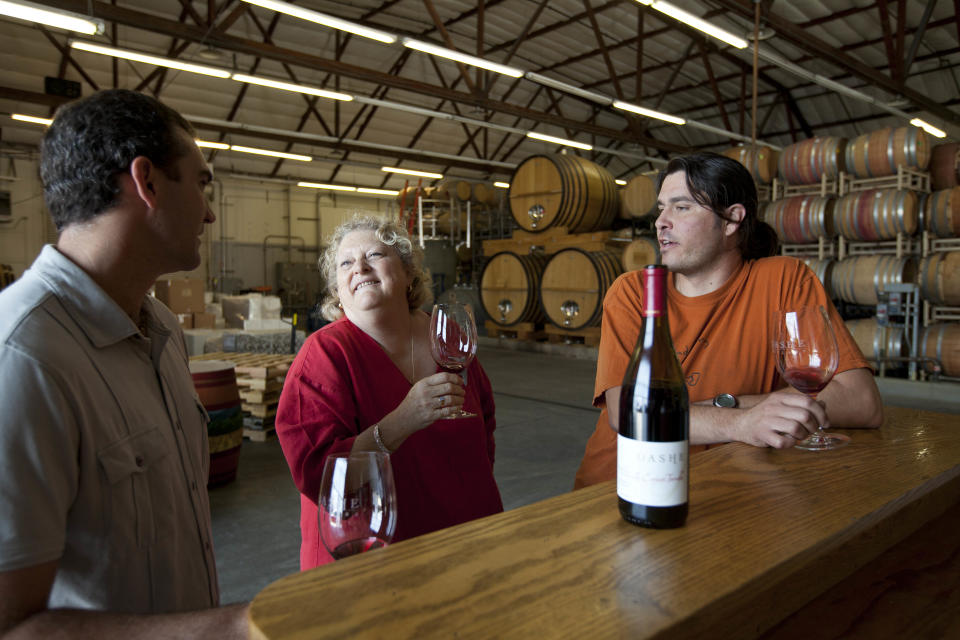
column 819, row 437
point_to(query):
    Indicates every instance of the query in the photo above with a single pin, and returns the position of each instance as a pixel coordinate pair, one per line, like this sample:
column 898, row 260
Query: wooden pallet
column 823, row 249
column 258, row 396
column 260, row 435
column 586, row 335
column 259, row 424
column 519, row 331
column 825, row 187
column 268, row 410
column 902, row 246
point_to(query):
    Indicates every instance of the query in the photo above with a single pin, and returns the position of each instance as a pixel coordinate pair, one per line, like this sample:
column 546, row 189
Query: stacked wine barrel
column 559, row 264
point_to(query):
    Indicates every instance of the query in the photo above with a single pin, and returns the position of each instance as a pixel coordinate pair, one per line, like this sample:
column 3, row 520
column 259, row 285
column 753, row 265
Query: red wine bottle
column 653, row 445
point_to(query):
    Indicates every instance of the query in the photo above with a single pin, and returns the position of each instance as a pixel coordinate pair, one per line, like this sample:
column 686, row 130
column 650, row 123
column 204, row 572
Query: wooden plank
column 260, row 410
column 256, row 396
column 260, row 435
column 585, row 335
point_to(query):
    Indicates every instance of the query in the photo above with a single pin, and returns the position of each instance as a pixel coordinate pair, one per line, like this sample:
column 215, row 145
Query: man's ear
column 735, row 214
column 144, row 173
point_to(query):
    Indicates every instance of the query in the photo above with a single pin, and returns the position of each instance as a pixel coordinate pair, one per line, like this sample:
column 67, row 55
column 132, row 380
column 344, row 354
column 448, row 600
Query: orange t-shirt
column 722, row 340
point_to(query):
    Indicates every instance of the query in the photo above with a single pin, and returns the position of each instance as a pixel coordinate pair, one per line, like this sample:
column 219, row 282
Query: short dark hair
column 718, row 182
column 93, row 140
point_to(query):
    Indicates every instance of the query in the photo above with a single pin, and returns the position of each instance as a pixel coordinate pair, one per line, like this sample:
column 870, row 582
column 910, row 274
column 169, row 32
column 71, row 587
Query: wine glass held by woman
column 453, row 342
column 367, row 382
column 807, row 355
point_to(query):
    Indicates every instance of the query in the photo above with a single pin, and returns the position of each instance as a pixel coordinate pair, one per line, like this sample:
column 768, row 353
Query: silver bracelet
column 379, row 439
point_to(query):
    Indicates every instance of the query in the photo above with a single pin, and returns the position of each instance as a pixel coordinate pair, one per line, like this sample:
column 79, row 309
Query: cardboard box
column 186, row 320
column 204, row 321
column 181, row 296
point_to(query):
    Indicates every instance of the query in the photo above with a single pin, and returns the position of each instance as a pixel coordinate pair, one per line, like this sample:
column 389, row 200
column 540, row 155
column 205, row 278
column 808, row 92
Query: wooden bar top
column 769, row 531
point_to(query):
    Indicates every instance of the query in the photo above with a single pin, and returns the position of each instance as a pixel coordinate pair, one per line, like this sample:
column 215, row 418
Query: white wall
column 22, row 239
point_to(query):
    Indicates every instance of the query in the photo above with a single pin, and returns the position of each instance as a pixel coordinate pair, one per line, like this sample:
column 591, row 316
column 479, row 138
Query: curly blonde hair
column 389, row 233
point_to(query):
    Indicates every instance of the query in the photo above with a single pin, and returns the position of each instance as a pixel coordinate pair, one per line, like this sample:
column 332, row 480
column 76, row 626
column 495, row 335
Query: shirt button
column 139, row 461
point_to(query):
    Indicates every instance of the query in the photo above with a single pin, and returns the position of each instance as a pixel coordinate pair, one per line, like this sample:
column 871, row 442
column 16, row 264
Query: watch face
column 725, row 400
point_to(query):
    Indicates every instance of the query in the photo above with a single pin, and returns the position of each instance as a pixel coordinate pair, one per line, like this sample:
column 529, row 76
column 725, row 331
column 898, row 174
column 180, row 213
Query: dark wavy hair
column 93, row 140
column 718, row 182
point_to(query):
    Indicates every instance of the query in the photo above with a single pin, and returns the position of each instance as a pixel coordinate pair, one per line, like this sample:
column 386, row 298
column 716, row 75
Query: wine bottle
column 653, row 440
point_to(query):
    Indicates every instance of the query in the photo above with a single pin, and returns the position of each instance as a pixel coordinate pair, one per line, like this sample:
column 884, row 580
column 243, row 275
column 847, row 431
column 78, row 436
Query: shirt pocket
column 128, row 464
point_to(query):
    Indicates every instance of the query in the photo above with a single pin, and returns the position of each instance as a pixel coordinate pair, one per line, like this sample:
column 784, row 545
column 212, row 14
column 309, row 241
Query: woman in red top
column 367, row 382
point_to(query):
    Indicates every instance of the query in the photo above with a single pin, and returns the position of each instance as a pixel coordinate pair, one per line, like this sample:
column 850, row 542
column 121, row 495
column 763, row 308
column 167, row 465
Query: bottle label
column 652, row 473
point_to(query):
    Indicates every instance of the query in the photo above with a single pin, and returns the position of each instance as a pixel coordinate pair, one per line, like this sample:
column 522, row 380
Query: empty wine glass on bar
column 807, row 356
column 453, row 341
column 358, row 503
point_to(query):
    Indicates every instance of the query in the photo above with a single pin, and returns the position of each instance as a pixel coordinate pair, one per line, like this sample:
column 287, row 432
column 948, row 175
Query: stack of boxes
column 185, row 297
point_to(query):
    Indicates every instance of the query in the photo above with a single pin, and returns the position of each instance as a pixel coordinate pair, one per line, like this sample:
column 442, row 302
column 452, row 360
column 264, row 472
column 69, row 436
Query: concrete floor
column 544, row 418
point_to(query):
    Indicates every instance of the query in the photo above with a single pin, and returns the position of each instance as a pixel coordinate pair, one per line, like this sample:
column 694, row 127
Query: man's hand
column 780, row 420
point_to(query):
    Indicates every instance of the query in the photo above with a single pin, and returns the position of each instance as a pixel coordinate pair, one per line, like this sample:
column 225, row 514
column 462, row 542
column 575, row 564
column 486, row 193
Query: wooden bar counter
column 863, row 541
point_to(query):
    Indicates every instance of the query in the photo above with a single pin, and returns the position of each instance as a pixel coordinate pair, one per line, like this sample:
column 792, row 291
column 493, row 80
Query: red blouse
column 340, row 384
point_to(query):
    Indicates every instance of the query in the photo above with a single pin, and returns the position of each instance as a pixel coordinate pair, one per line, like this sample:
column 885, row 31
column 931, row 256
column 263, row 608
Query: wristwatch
column 725, row 401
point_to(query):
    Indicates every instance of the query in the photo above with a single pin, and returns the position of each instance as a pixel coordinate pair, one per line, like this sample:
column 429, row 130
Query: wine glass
column 358, row 503
column 453, row 341
column 807, row 357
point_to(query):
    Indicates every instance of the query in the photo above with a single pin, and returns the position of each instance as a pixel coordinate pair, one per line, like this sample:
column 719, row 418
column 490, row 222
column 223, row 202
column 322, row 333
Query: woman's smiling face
column 370, row 273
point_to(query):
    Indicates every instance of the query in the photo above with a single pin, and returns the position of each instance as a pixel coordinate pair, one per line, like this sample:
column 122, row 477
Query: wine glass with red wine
column 358, row 503
column 807, row 357
column 453, row 341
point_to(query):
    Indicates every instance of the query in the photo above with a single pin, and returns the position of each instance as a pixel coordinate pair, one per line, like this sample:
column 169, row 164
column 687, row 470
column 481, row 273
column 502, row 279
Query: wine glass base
column 823, row 442
column 459, row 414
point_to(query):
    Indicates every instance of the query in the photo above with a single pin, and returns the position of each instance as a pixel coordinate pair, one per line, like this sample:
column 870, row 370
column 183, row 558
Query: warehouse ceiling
column 419, row 111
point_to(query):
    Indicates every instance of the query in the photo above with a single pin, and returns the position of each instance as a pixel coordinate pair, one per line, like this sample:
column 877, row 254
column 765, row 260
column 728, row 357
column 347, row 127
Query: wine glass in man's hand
column 807, row 356
column 453, row 341
column 358, row 503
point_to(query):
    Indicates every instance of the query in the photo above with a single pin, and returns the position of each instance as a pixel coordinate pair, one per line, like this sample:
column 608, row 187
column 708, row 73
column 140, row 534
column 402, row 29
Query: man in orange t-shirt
column 721, row 295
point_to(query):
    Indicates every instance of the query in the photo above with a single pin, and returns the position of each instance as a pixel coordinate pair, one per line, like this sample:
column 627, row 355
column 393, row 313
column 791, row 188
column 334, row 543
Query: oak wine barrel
column 638, row 198
column 869, row 336
column 823, row 269
column 880, row 152
column 945, row 166
column 216, row 385
column 563, row 191
column 486, row 193
column 761, row 163
column 860, row 279
column 940, row 278
column 807, row 161
column 508, row 287
column 877, row 214
column 802, row 219
column 942, row 341
column 942, row 213
column 640, row 252
column 573, row 285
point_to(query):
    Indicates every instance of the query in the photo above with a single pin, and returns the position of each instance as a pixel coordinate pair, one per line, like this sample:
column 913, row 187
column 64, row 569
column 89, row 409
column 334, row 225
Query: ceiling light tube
column 317, row 185
column 34, row 119
column 51, row 17
column 650, row 113
column 268, row 152
column 620, row 182
column 289, row 86
column 411, row 172
column 159, row 61
column 563, row 141
column 697, row 23
column 929, row 128
column 325, row 20
column 567, row 88
column 465, row 58
column 381, row 192
column 502, row 185
column 206, row 144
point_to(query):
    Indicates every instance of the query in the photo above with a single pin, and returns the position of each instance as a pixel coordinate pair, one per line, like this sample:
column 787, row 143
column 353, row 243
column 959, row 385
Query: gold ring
column 440, row 402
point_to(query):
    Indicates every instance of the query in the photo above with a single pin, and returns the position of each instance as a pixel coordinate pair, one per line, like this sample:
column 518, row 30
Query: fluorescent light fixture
column 325, row 20
column 567, row 88
column 620, row 182
column 697, row 23
column 567, row 143
column 268, row 152
column 34, row 119
column 211, row 145
column 159, row 61
column 929, row 128
column 465, row 58
column 650, row 113
column 502, row 185
column 289, row 86
column 317, row 185
column 411, row 172
column 381, row 192
column 51, row 17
